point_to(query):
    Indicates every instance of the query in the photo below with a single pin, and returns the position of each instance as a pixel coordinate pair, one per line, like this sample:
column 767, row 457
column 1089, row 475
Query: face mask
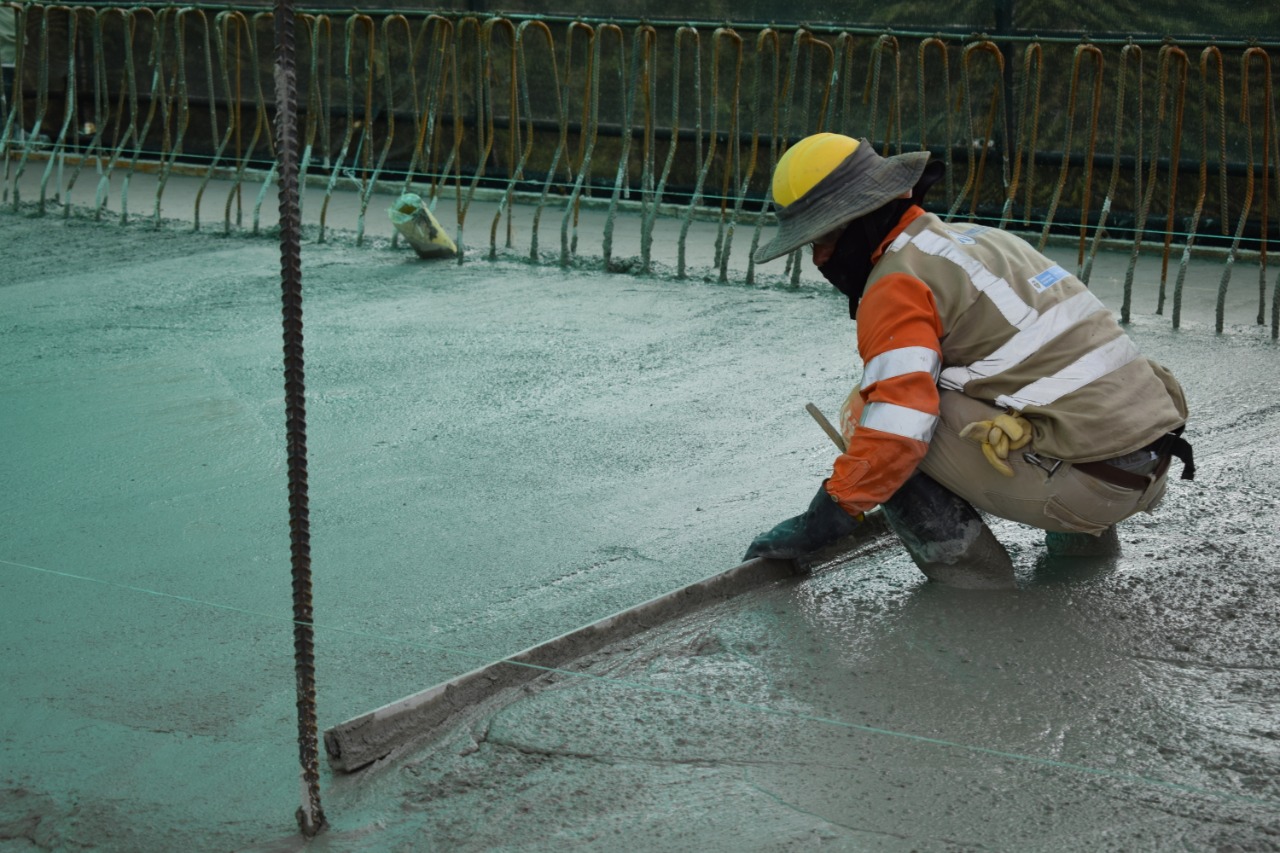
column 850, row 263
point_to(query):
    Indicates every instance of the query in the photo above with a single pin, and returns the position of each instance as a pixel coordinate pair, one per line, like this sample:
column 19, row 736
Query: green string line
column 1152, row 236
column 233, row 609
column 699, row 697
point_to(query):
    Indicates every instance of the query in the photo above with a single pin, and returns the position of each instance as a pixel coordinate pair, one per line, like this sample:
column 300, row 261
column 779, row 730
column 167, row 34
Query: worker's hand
column 820, row 525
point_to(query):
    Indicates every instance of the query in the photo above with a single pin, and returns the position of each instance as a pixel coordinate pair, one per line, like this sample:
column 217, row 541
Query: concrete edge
column 362, row 740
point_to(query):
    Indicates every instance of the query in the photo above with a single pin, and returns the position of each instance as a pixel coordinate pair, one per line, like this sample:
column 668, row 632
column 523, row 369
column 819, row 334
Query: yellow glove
column 998, row 436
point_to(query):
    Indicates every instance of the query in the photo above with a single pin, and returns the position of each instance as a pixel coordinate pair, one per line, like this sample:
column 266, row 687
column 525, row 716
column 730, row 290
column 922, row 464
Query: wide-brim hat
column 862, row 182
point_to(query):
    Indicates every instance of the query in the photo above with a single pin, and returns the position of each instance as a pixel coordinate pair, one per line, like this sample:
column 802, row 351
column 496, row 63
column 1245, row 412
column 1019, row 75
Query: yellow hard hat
column 807, row 162
column 827, row 180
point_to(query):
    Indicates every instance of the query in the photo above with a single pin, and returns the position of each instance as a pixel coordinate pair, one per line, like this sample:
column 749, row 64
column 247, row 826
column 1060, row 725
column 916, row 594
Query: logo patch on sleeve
column 1048, row 278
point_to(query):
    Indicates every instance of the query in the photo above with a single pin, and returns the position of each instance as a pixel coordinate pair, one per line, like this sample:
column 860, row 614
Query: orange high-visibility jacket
column 978, row 310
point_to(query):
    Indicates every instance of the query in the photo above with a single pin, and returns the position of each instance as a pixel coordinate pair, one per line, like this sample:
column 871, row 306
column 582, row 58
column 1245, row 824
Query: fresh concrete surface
column 500, row 453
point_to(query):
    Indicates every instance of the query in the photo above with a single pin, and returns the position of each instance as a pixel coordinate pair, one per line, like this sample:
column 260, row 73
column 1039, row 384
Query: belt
column 1166, row 447
column 1108, row 473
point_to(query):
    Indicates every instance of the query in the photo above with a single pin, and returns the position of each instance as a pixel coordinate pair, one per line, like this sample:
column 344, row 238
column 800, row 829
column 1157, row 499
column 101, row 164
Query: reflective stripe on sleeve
column 899, row 362
column 899, row 420
column 1026, row 343
column 1000, row 292
column 1095, row 364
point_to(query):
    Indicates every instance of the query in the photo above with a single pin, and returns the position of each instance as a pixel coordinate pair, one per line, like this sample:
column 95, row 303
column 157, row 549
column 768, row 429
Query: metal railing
column 1154, row 147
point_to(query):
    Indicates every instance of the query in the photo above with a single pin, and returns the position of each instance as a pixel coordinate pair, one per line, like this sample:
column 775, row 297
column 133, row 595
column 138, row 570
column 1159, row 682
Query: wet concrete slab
column 501, row 453
column 859, row 709
column 1125, row 703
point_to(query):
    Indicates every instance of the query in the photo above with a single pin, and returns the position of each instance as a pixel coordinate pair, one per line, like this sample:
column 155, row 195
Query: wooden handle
column 831, row 431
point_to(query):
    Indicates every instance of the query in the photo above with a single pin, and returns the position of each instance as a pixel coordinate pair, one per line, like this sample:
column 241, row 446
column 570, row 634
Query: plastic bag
column 419, row 227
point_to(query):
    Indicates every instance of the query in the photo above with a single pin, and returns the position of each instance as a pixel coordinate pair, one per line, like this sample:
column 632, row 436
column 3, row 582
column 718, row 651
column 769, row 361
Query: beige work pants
column 1068, row 502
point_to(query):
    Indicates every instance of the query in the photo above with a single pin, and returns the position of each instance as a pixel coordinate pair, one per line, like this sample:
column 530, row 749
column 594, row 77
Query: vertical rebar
column 1268, row 108
column 264, row 121
column 941, row 47
column 646, row 226
column 513, row 127
column 775, row 141
column 157, row 28
column 741, row 173
column 522, row 76
column 1128, row 51
column 1015, row 149
column 977, row 164
column 893, row 120
column 1005, row 26
column 91, row 151
column 1141, row 192
column 787, row 100
column 310, row 815
column 697, row 137
column 1246, row 205
column 632, row 90
column 351, row 123
column 1094, row 115
column 1170, row 55
column 1031, row 95
column 380, row 60
column 129, row 90
column 179, row 102
column 586, row 147
column 1211, row 52
column 562, row 116
column 1072, row 100
column 233, row 103
column 244, row 152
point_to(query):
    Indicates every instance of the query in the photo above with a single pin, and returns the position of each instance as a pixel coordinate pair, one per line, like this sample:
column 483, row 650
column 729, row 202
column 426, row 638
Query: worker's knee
column 946, row 537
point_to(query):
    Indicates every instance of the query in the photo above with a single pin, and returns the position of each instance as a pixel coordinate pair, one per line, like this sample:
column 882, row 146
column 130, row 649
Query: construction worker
column 993, row 380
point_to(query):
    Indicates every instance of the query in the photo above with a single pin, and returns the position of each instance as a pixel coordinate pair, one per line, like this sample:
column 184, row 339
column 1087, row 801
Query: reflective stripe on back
column 899, row 420
column 899, row 362
column 1093, row 365
column 1000, row 292
column 1027, row 342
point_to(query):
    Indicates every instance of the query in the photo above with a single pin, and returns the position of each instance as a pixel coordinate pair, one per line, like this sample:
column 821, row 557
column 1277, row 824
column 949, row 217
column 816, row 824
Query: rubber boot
column 1083, row 544
column 946, row 537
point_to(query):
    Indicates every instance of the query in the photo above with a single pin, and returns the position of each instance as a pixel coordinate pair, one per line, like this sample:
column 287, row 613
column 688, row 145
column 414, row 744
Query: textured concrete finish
column 503, row 453
column 397, row 726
